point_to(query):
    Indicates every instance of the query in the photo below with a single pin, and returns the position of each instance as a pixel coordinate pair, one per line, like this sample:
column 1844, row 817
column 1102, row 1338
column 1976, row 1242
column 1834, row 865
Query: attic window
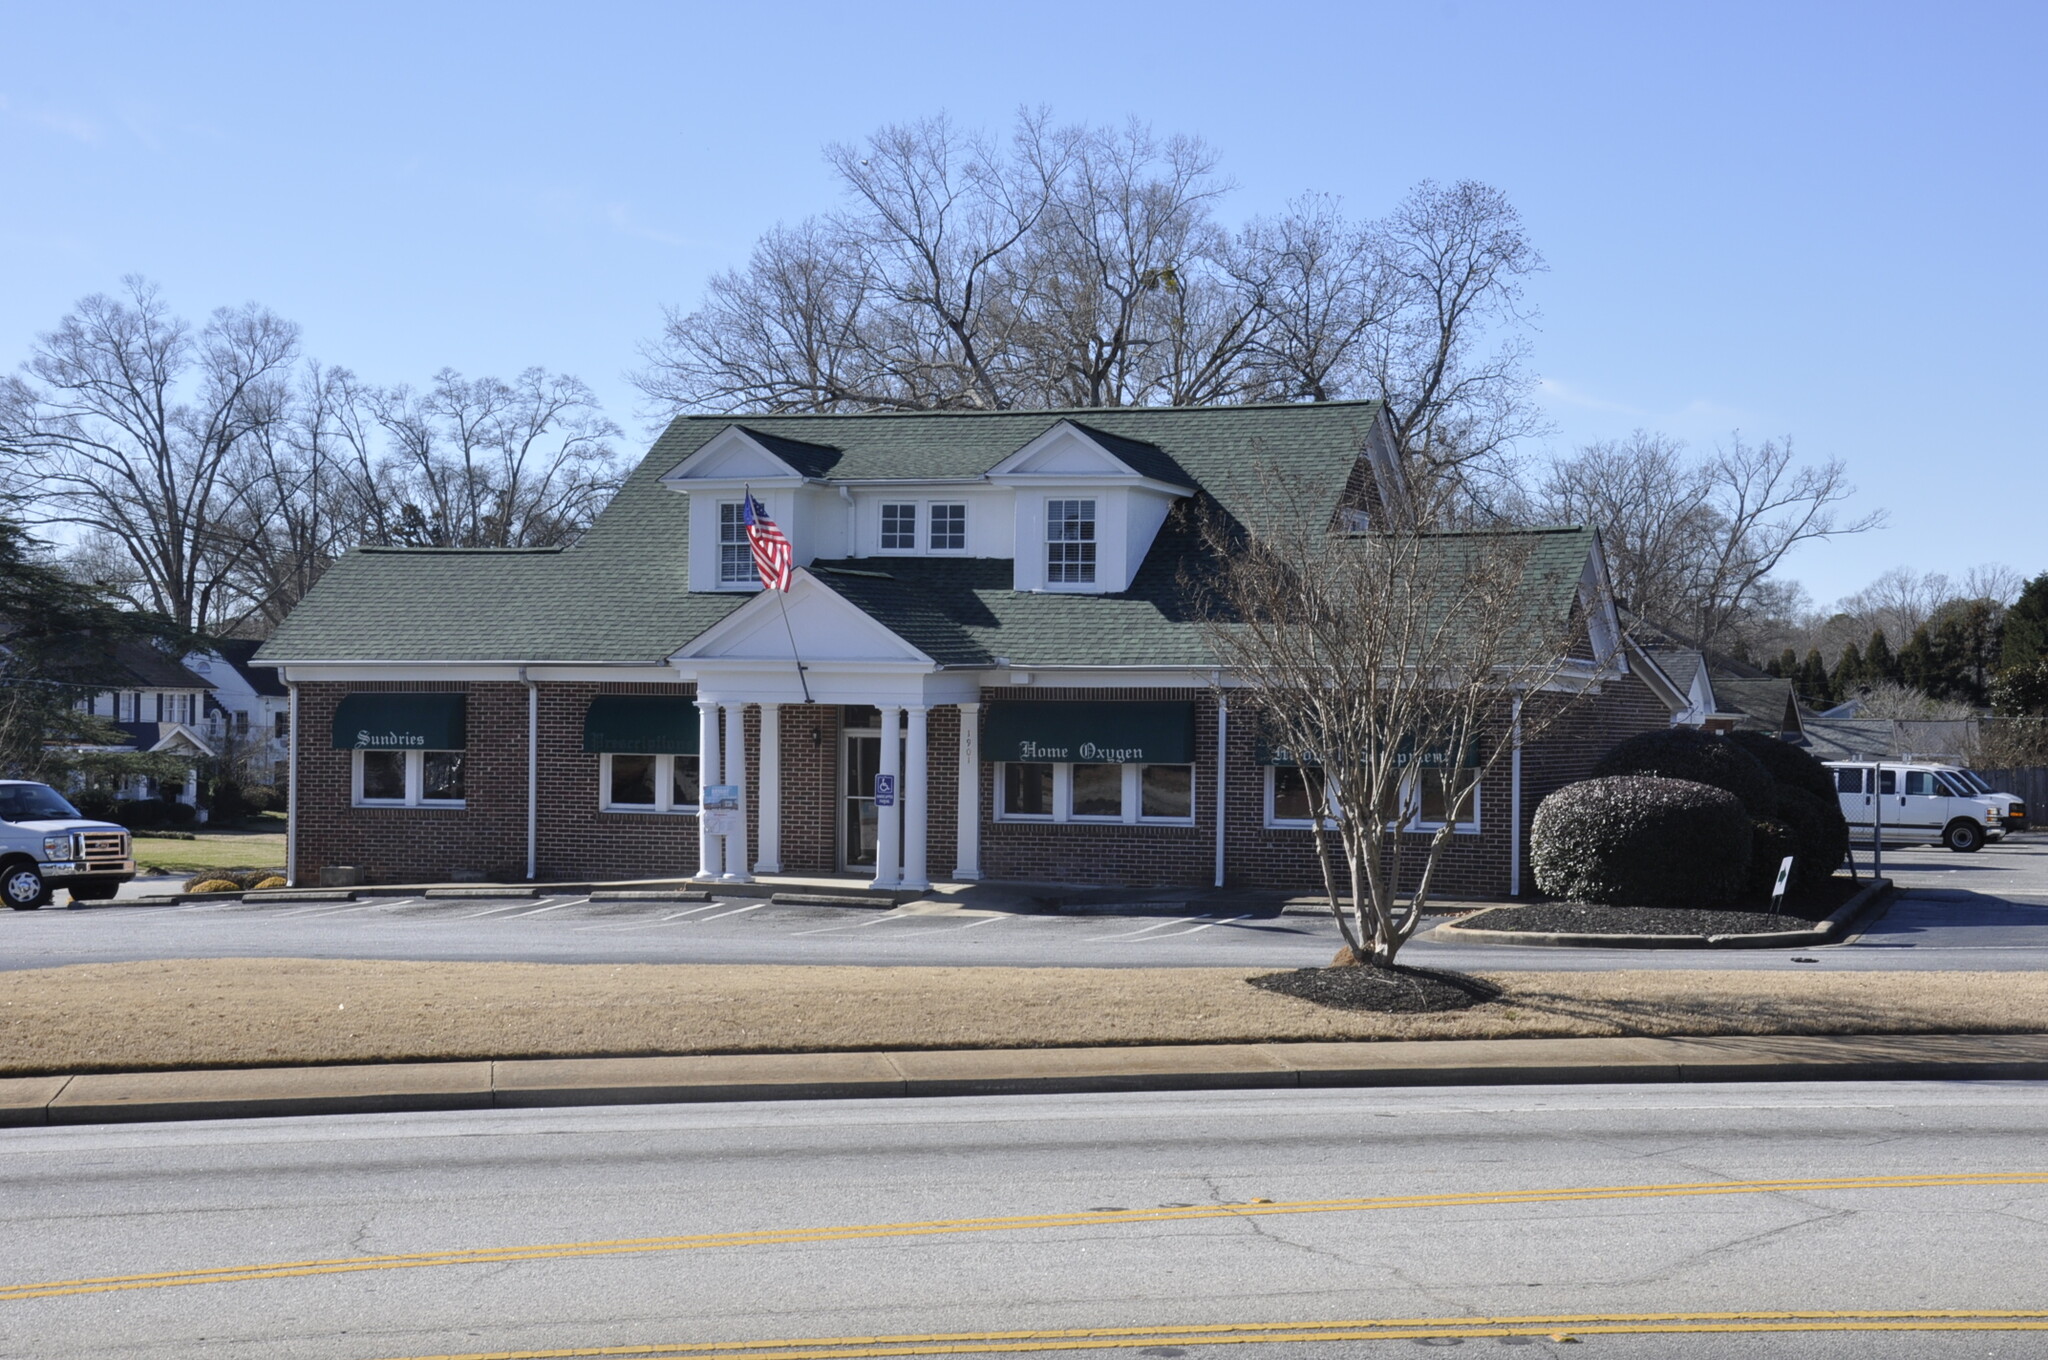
column 1070, row 542
column 899, row 527
column 735, row 554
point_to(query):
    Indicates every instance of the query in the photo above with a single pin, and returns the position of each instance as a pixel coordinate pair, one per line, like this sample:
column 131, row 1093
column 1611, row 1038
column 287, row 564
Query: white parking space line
column 1130, row 934
column 324, row 909
column 722, row 915
column 852, row 925
column 990, row 921
column 656, row 924
column 1199, row 929
column 520, row 915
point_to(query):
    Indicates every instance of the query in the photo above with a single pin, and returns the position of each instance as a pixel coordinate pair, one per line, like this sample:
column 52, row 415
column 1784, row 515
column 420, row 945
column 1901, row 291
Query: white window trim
column 664, row 788
column 415, row 783
column 1411, row 810
column 749, row 579
column 1411, row 798
column 966, row 533
column 1133, row 796
column 1277, row 823
column 1046, row 542
column 918, row 536
column 923, row 538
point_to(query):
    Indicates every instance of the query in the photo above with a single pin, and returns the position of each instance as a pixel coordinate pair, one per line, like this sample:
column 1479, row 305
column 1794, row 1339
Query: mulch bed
column 1579, row 918
column 1390, row 991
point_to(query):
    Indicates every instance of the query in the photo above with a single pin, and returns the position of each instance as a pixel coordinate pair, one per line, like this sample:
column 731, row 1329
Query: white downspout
column 1222, row 773
column 532, row 776
column 1515, row 806
column 291, row 791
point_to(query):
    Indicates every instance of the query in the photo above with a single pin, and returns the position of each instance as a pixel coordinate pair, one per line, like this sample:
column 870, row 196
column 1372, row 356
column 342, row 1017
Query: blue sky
column 1821, row 220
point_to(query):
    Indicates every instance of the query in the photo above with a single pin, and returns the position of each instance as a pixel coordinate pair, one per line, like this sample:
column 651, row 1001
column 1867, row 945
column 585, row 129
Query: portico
column 883, row 687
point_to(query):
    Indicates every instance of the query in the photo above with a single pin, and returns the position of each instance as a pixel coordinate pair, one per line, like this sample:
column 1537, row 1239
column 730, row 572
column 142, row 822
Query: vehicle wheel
column 1963, row 836
column 23, row 887
column 93, row 892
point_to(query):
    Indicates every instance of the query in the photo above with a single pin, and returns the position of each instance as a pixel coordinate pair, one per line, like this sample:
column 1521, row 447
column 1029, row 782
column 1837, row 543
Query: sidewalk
column 527, row 1083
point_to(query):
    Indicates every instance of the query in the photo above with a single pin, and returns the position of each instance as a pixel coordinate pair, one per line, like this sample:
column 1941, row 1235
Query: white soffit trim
column 828, row 626
column 731, row 455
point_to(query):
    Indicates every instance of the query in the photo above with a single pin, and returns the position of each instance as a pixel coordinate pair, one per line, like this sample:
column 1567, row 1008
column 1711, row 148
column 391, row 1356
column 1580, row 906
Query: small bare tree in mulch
column 1384, row 659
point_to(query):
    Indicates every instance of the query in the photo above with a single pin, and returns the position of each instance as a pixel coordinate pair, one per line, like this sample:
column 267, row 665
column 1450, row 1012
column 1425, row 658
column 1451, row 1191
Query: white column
column 708, row 772
column 770, row 861
column 916, row 800
column 888, row 825
column 967, row 865
column 736, row 773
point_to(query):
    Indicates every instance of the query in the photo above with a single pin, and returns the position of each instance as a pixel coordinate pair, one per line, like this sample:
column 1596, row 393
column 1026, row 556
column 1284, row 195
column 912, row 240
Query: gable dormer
column 1087, row 505
column 785, row 475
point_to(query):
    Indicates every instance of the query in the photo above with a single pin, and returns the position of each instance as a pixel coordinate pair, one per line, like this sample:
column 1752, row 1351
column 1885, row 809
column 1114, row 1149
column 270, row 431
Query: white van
column 1916, row 805
column 2015, row 806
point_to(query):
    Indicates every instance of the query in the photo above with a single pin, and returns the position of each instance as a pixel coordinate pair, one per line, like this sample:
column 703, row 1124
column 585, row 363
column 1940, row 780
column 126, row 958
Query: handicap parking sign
column 885, row 790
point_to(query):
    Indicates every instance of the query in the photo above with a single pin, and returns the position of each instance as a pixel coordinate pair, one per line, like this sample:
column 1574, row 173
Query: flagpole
column 781, row 596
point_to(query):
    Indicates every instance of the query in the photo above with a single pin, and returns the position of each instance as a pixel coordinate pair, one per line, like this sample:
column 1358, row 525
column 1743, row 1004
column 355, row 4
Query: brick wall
column 576, row 839
column 393, row 845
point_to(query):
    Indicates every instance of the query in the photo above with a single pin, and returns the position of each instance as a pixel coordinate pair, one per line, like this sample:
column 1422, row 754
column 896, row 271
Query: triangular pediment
column 736, row 454
column 820, row 624
column 1065, row 450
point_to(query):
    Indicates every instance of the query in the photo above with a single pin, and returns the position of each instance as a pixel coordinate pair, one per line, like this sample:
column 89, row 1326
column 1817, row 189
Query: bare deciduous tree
column 1087, row 267
column 1378, row 660
column 131, row 424
column 1695, row 541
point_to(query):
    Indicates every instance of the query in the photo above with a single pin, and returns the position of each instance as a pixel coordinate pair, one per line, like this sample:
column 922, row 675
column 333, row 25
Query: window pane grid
column 735, row 555
column 1070, row 542
column 949, row 528
column 899, row 528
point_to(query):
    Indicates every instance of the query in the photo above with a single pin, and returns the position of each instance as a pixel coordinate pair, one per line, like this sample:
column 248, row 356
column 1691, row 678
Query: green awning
column 1157, row 733
column 380, row 720
column 641, row 725
column 1430, row 758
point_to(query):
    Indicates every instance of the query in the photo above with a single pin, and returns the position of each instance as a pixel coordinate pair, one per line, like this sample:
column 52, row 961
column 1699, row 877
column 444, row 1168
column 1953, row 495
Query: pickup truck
column 45, row 844
column 1917, row 805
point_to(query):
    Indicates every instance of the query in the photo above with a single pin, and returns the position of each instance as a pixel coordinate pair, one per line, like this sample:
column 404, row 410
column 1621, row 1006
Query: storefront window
column 1099, row 791
column 1027, row 789
column 1439, row 789
column 683, row 785
column 632, row 781
column 441, row 776
column 642, row 783
column 383, row 777
column 1167, row 793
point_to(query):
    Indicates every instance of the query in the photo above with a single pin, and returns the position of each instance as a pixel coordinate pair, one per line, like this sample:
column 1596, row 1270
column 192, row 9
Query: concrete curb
column 1828, row 931
column 260, row 1093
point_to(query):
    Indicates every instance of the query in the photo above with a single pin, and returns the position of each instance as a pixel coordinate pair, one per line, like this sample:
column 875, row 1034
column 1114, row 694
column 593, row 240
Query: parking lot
column 1983, row 911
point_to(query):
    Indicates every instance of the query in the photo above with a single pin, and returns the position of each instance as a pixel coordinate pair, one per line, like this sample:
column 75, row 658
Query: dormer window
column 735, row 554
column 949, row 527
column 1070, row 542
column 899, row 527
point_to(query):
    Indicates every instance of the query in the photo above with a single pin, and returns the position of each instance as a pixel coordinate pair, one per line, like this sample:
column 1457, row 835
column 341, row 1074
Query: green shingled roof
column 622, row 595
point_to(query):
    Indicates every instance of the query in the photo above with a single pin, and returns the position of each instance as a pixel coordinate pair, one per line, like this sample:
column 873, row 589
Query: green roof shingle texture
column 622, row 596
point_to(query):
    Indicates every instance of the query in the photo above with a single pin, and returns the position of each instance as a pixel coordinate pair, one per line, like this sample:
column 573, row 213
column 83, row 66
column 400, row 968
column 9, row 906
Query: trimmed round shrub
column 1788, row 764
column 1770, row 840
column 1698, row 757
column 1820, row 834
column 264, row 798
column 264, row 884
column 214, row 885
column 1641, row 841
column 180, row 815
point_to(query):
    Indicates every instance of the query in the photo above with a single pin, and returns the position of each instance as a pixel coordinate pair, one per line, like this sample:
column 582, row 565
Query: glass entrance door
column 860, row 760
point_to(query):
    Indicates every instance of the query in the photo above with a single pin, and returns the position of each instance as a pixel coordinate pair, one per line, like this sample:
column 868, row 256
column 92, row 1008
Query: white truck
column 45, row 844
column 1916, row 805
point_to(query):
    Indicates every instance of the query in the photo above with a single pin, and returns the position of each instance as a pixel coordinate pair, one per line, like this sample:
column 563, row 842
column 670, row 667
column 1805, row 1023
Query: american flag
column 772, row 555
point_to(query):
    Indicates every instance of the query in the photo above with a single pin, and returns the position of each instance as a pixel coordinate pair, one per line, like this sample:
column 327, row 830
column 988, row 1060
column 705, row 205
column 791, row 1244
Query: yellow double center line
column 555, row 1251
column 1256, row 1333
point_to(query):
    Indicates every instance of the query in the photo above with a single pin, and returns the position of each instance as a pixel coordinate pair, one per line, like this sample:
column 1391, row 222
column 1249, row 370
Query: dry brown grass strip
column 261, row 1012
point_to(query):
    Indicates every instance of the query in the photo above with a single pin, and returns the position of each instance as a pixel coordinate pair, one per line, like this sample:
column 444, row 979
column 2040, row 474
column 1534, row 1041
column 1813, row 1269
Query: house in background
column 159, row 704
column 248, row 710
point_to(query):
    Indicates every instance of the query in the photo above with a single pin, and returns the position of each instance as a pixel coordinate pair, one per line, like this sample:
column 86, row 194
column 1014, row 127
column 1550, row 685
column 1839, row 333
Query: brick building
column 991, row 602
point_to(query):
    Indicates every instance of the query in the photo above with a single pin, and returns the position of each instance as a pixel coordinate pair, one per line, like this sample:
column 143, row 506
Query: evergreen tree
column 1965, row 647
column 1785, row 665
column 1812, row 683
column 1878, row 665
column 2026, row 626
column 1848, row 673
column 1917, row 668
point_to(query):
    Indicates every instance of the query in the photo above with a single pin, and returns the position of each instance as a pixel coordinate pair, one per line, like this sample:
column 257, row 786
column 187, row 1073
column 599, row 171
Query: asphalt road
column 1983, row 911
column 1889, row 1220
